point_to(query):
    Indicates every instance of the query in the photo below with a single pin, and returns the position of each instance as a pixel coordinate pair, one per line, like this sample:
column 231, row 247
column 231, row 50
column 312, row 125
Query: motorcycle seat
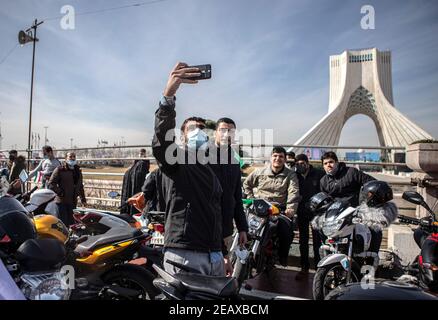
column 40, row 254
column 124, row 216
column 214, row 285
column 112, row 235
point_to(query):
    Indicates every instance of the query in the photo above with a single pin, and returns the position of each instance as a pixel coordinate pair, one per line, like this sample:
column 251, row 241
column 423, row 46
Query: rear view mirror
column 113, row 194
column 413, row 197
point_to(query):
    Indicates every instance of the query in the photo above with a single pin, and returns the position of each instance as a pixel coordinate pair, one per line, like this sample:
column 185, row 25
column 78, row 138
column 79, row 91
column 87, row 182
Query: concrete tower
column 361, row 83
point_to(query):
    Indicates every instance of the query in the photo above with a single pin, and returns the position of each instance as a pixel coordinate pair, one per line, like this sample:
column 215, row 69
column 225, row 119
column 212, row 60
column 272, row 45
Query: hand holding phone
column 204, row 69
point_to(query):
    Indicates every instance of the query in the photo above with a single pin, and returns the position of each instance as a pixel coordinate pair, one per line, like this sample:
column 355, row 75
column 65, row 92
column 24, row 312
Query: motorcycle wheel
column 328, row 278
column 133, row 278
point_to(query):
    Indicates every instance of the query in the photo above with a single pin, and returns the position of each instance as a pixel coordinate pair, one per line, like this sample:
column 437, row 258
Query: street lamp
column 23, row 38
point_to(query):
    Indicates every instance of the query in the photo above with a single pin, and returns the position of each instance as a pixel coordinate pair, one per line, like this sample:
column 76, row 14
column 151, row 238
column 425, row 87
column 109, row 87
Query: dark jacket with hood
column 345, row 184
column 190, row 189
column 227, row 169
column 18, row 165
column 309, row 186
column 132, row 183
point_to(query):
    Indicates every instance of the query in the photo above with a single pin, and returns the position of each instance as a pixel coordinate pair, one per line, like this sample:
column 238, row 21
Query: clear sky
column 270, row 62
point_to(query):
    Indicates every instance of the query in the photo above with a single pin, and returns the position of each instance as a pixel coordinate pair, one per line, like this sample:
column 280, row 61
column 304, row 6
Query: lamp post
column 23, row 38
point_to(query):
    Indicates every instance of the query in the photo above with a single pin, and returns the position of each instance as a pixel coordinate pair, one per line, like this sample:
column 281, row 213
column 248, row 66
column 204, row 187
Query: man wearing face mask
column 13, row 154
column 188, row 186
column 290, row 159
column 342, row 182
column 46, row 166
column 18, row 165
column 309, row 178
column 66, row 182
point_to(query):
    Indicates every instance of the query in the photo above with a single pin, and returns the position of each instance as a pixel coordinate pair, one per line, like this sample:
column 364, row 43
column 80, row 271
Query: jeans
column 206, row 263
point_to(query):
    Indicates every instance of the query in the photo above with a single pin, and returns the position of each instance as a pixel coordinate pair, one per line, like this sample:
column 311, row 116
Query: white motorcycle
column 344, row 256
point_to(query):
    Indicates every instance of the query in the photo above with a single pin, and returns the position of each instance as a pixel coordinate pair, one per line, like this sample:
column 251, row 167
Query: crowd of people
column 64, row 178
column 198, row 185
column 202, row 199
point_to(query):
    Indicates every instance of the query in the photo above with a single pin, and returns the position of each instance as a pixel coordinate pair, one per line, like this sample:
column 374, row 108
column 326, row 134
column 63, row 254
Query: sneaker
column 304, row 273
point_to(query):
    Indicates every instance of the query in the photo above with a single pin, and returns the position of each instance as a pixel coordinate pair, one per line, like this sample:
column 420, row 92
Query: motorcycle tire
column 132, row 277
column 318, row 288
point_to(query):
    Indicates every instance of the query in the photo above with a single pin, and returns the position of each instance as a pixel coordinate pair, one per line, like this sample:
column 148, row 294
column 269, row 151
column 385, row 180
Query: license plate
column 157, row 238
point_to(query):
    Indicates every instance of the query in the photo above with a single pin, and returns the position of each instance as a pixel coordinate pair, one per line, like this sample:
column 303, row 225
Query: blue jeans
column 206, row 263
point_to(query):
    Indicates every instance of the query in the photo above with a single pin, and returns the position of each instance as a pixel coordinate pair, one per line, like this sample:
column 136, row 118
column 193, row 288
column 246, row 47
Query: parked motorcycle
column 345, row 255
column 99, row 247
column 33, row 264
column 425, row 267
column 260, row 252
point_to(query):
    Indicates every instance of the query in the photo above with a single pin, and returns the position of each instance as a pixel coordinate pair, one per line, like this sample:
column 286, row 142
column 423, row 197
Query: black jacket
column 309, row 186
column 155, row 200
column 192, row 192
column 227, row 169
column 132, row 182
column 345, row 184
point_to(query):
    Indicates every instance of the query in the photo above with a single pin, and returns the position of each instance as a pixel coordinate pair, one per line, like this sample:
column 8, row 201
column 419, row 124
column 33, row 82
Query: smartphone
column 205, row 70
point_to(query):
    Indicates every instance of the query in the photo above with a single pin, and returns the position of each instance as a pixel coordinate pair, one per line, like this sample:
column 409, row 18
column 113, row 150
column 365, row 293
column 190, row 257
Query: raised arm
column 163, row 143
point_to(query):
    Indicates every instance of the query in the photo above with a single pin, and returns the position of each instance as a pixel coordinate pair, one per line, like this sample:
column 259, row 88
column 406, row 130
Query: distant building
column 363, row 156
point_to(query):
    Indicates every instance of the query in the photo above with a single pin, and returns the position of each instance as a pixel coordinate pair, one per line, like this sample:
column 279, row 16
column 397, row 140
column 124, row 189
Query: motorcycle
column 99, row 247
column 344, row 257
column 425, row 267
column 34, row 265
column 260, row 252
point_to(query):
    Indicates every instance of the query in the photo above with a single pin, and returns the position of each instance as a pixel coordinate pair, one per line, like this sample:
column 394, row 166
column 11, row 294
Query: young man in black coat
column 133, row 181
column 191, row 191
column 308, row 178
column 342, row 182
column 225, row 163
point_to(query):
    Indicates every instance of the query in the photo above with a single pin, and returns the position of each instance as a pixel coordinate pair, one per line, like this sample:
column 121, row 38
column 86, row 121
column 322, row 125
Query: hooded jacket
column 345, row 184
column 133, row 181
column 190, row 189
column 227, row 169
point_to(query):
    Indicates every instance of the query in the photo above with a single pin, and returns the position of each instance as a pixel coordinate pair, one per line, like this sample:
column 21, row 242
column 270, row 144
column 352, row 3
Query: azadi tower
column 361, row 83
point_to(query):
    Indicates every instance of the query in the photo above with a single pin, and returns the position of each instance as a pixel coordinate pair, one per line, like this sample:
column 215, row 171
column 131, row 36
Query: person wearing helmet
column 376, row 210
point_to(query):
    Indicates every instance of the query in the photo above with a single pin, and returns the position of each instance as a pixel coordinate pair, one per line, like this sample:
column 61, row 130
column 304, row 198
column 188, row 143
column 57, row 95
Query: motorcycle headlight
column 331, row 227
column 47, row 286
column 254, row 223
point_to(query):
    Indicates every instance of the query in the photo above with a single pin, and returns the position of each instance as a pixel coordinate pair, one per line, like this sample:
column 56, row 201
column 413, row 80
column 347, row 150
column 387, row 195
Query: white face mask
column 197, row 139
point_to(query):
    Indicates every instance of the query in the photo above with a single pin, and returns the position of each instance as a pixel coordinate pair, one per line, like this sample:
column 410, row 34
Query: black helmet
column 320, row 202
column 15, row 226
column 375, row 193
